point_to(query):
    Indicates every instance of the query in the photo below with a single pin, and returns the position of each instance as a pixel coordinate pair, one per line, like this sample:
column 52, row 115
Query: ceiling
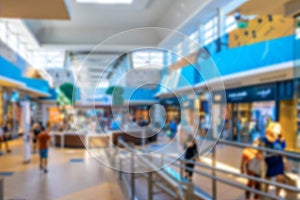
column 91, row 24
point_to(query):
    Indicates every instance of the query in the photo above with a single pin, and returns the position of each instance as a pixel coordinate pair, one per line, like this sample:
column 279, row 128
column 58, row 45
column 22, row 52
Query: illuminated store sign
column 237, row 95
column 264, row 93
column 249, row 94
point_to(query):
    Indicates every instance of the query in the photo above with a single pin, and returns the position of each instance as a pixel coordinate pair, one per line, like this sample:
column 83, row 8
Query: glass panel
column 149, row 57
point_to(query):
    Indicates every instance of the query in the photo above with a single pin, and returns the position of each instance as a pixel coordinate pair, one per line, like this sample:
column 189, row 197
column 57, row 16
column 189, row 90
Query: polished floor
column 73, row 174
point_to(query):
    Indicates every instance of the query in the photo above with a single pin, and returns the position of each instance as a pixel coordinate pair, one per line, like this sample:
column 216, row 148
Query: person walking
column 191, row 154
column 248, row 156
column 276, row 163
column 4, row 136
column 36, row 129
column 173, row 127
column 43, row 140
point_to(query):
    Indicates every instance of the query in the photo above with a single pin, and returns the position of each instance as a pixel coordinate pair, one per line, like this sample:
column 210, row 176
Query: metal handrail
column 264, row 149
column 259, row 179
column 1, row 189
column 213, row 176
column 237, row 185
column 162, row 174
column 284, row 186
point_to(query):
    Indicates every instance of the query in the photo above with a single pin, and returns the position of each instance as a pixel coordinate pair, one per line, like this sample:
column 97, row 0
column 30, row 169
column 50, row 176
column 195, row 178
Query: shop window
column 147, row 57
column 193, row 45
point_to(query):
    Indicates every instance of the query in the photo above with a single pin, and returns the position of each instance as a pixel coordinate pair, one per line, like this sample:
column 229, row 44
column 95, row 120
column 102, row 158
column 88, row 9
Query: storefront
column 202, row 105
column 1, row 107
column 250, row 109
column 140, row 112
column 296, row 109
column 193, row 110
column 10, row 110
column 172, row 108
column 54, row 115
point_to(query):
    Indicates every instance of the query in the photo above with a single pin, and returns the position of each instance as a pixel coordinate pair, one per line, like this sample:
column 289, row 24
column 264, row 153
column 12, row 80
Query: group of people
column 40, row 140
column 273, row 165
column 253, row 162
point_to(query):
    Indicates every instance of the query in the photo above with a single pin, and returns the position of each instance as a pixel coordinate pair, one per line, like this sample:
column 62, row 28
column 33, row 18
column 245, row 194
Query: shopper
column 4, row 136
column 235, row 131
column 43, row 142
column 36, row 129
column 276, row 163
column 142, row 122
column 173, row 127
column 191, row 154
column 248, row 156
column 225, row 132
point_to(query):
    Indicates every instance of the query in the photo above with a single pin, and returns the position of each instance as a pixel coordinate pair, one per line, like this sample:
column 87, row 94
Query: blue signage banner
column 249, row 94
column 264, row 92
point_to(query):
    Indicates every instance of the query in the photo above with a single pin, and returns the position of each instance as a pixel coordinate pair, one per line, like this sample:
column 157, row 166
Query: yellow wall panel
column 260, row 29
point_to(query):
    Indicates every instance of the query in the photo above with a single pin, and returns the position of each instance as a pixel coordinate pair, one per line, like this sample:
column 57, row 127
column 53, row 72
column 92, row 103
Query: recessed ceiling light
column 106, row 1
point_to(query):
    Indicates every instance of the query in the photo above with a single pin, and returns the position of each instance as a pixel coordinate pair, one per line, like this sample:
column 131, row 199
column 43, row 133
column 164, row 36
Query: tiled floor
column 74, row 174
column 65, row 180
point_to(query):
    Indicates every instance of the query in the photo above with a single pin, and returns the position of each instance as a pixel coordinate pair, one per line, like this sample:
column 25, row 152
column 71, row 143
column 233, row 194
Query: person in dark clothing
column 276, row 163
column 4, row 136
column 36, row 129
column 191, row 154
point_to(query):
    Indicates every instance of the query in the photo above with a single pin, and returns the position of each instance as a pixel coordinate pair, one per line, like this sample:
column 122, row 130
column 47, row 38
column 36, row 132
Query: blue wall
column 188, row 76
column 255, row 56
column 21, row 64
column 37, row 84
column 9, row 70
column 139, row 94
column 249, row 57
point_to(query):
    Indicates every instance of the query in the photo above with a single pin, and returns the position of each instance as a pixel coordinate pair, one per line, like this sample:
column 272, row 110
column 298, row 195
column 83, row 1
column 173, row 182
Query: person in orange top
column 247, row 155
column 43, row 144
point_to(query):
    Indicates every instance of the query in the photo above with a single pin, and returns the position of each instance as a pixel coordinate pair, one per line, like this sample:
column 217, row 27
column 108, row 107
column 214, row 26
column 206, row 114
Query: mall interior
column 149, row 99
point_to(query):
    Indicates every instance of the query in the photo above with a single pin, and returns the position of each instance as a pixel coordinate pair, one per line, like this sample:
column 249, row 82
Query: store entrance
column 246, row 119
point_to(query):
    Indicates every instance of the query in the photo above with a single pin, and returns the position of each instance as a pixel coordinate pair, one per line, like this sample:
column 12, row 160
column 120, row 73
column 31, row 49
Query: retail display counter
column 97, row 141
column 68, row 139
column 132, row 137
column 80, row 140
column 137, row 137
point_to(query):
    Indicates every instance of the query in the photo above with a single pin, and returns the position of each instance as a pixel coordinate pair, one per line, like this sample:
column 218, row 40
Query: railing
column 1, row 189
column 182, row 187
column 176, row 189
column 215, row 169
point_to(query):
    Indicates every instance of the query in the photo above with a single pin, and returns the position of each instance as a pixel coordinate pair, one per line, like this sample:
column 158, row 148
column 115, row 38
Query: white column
column 26, row 129
column 45, row 114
